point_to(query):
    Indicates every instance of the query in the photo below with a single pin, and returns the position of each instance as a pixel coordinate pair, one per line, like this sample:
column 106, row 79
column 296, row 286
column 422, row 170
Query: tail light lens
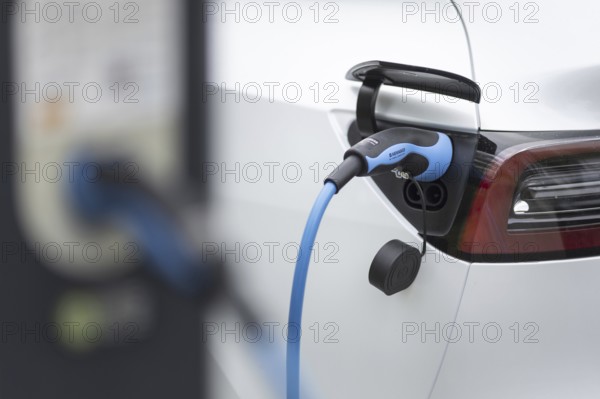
column 557, row 193
column 532, row 196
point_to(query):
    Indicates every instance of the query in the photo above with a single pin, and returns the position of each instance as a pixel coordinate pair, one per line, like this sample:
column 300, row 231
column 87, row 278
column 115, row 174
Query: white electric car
column 505, row 302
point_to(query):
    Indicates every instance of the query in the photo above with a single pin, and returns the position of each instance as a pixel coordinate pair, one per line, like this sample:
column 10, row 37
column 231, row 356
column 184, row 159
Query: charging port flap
column 373, row 74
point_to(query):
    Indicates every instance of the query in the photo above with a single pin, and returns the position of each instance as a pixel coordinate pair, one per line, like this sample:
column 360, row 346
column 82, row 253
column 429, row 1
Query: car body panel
column 551, row 353
column 372, row 358
column 536, row 63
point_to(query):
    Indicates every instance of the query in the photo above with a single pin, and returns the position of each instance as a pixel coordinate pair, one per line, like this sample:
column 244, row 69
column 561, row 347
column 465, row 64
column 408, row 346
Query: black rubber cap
column 395, row 267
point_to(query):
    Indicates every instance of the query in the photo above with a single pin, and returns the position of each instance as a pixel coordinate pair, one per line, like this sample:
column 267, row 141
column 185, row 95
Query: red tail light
column 537, row 198
column 534, row 200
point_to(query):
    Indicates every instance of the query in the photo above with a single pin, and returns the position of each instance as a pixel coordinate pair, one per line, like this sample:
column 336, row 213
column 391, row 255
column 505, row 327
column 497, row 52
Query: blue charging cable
column 153, row 228
column 300, row 274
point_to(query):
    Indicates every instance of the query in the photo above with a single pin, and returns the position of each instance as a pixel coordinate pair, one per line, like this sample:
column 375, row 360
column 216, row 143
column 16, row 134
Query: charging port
column 435, row 195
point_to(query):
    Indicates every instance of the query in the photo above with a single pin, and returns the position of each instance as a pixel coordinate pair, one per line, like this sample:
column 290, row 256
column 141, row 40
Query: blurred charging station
column 82, row 314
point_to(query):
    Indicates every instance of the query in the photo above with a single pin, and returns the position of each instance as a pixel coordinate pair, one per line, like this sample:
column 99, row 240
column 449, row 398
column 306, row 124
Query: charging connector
column 421, row 154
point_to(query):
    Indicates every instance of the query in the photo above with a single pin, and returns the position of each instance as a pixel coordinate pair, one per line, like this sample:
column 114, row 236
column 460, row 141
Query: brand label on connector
column 396, row 154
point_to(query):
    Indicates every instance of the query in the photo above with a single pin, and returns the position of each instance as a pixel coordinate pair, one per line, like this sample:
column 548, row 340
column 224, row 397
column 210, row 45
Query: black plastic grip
column 345, row 172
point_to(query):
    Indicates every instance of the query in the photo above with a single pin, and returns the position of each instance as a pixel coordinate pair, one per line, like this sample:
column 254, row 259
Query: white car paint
column 553, row 351
column 371, row 360
column 548, row 50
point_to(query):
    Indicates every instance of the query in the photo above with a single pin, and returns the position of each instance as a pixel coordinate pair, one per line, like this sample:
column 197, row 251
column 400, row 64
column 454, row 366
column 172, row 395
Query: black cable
column 424, row 207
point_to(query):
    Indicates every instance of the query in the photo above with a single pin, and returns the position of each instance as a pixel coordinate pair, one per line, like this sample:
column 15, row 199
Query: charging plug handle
column 423, row 154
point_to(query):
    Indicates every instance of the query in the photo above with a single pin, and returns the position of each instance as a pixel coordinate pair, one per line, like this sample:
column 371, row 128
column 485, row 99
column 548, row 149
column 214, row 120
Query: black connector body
column 346, row 171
